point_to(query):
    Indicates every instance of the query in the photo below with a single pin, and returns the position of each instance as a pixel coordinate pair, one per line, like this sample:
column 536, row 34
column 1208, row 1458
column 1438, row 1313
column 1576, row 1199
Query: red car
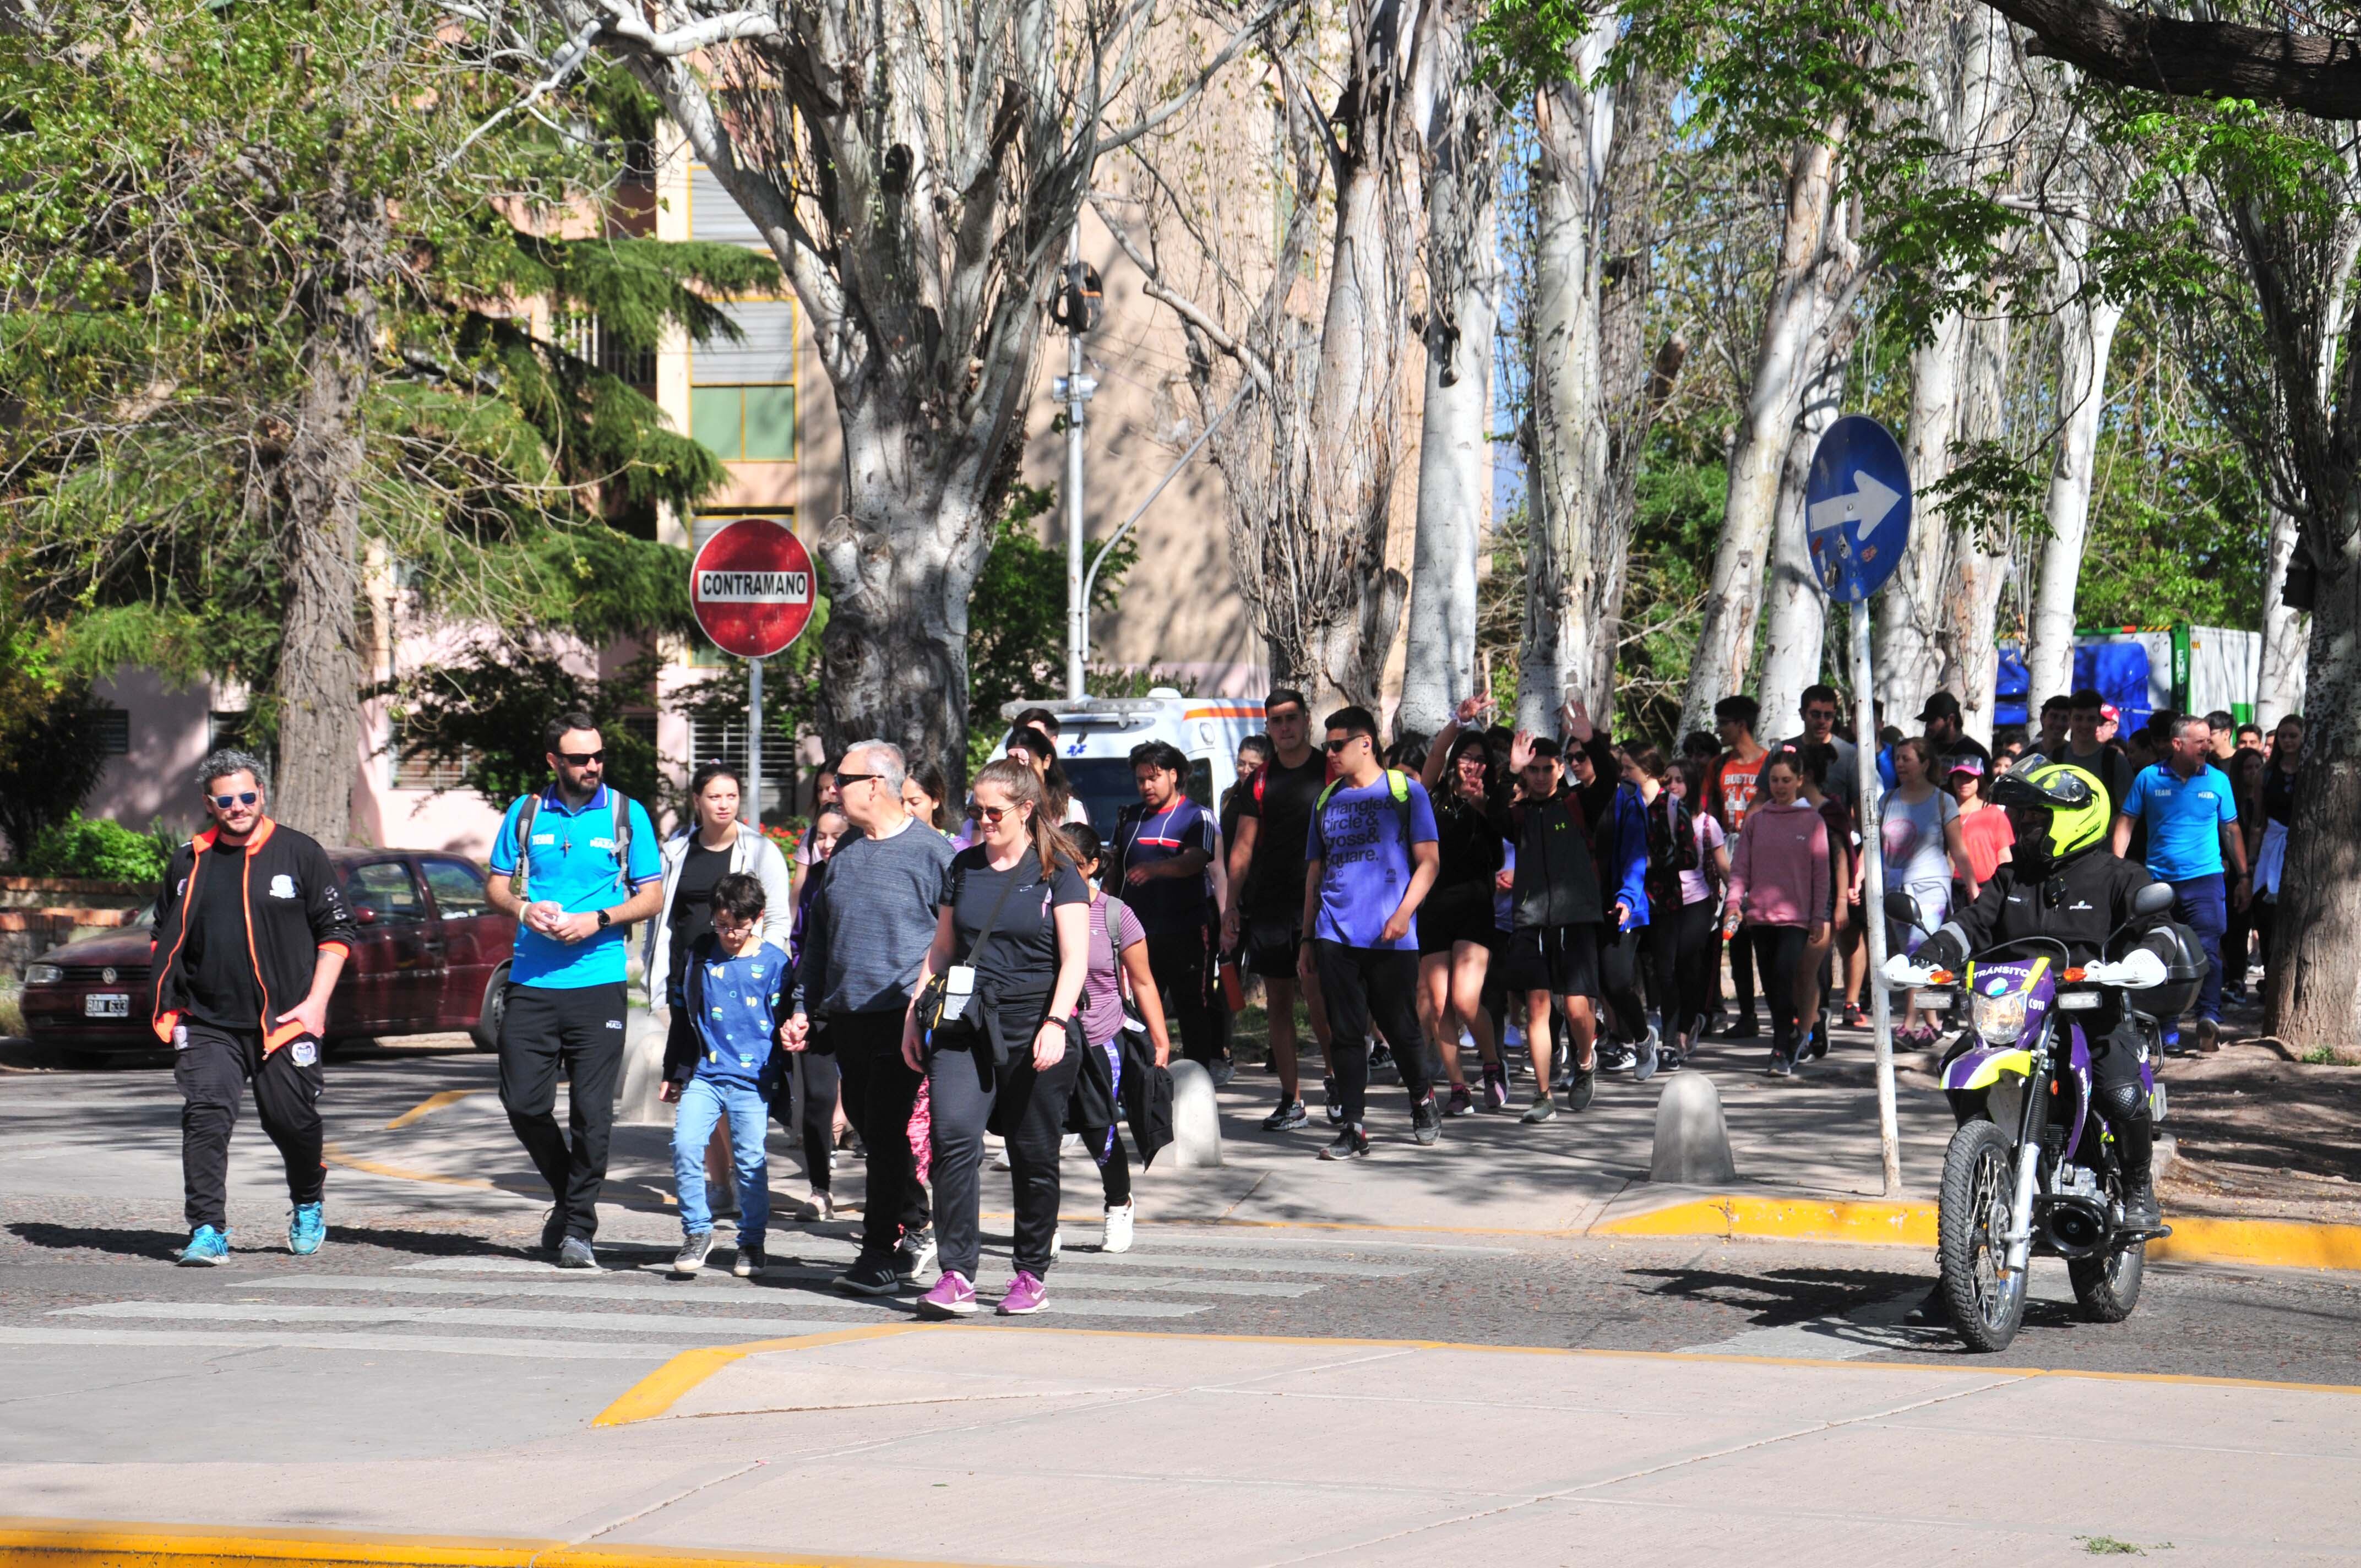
column 431, row 954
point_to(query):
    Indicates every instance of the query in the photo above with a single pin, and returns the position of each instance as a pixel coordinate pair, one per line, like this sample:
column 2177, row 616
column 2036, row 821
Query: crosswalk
column 633, row 1309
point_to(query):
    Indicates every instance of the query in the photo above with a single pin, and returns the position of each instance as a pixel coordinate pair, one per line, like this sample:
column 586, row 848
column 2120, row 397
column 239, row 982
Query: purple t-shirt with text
column 1366, row 862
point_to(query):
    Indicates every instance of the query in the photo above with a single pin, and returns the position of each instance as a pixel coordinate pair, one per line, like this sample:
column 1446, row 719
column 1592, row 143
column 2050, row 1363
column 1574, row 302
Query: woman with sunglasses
column 1012, row 944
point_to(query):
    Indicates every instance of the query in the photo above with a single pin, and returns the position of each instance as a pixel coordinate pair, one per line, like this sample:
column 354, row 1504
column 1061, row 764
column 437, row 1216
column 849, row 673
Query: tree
column 263, row 279
column 489, row 708
column 52, row 754
column 1016, row 622
column 917, row 173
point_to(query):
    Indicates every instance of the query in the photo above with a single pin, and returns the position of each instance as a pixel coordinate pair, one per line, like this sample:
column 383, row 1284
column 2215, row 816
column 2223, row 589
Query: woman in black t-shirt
column 1456, row 933
column 1010, row 1060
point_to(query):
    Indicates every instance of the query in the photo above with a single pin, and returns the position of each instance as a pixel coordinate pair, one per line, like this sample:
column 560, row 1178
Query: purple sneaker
column 952, row 1296
column 1027, row 1293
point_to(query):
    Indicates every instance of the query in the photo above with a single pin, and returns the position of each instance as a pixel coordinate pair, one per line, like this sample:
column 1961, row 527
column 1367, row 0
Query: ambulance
column 1097, row 734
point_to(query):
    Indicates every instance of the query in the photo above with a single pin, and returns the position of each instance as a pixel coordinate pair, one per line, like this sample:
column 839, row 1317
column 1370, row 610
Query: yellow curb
column 2270, row 1244
column 102, row 1543
column 657, row 1392
column 428, row 1106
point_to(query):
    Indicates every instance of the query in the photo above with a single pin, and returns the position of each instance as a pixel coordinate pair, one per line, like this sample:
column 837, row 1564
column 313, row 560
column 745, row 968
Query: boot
column 2140, row 1210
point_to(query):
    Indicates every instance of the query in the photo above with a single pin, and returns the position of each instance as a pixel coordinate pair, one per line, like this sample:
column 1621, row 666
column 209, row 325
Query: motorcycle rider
column 2064, row 883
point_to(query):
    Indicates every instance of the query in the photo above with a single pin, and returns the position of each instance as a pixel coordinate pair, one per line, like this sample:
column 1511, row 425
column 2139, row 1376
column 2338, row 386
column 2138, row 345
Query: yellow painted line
column 334, row 1155
column 102, row 1543
column 660, row 1390
column 657, row 1392
column 428, row 1106
column 2271, row 1243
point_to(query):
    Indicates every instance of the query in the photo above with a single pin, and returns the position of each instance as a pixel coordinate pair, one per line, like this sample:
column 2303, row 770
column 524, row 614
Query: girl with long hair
column 1456, row 935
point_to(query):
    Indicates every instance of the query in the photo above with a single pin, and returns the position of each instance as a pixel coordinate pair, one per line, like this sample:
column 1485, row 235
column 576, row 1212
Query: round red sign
column 751, row 587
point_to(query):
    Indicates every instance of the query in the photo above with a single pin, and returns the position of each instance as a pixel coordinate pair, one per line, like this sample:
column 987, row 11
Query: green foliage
column 1016, row 616
column 1676, row 526
column 51, row 754
column 93, row 847
column 489, row 707
column 1990, row 495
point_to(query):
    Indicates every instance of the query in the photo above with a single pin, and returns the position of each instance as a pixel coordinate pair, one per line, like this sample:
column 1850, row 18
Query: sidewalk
column 1007, row 1445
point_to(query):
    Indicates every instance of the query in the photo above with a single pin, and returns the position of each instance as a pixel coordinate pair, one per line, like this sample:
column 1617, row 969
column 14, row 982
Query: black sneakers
column 1350, row 1143
column 1579, row 1089
column 869, row 1276
column 1426, row 1119
column 1290, row 1115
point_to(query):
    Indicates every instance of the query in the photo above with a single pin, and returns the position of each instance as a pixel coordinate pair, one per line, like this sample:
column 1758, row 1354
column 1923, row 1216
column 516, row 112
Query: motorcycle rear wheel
column 2108, row 1288
column 1978, row 1186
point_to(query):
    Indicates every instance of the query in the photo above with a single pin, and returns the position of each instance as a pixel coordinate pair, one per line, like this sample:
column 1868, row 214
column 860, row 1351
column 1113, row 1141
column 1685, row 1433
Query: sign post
column 1857, row 507
column 751, row 587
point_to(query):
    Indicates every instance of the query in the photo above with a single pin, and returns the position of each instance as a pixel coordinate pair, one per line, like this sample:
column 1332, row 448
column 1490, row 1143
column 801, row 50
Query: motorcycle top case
column 2184, row 972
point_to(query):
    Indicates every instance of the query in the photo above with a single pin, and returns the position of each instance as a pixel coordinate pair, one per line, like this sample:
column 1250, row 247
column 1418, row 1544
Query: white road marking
column 549, row 1350
column 696, row 1292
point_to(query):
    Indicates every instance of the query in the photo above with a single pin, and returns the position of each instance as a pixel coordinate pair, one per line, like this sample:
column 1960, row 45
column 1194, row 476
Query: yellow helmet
column 2080, row 811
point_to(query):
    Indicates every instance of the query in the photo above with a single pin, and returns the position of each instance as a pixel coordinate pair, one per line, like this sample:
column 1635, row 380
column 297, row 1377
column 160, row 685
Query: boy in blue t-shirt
column 732, row 989
column 1371, row 856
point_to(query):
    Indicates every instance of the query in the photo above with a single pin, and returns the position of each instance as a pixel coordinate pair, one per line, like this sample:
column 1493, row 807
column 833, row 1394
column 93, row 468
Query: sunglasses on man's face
column 1336, row 746
column 846, row 781
column 244, row 797
column 582, row 758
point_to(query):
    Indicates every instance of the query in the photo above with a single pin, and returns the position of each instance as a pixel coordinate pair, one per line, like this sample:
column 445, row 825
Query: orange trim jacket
column 294, row 911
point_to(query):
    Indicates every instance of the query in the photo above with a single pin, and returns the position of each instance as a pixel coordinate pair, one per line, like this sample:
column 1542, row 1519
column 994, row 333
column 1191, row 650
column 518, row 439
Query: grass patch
column 2326, row 1056
column 2108, row 1546
column 12, row 1017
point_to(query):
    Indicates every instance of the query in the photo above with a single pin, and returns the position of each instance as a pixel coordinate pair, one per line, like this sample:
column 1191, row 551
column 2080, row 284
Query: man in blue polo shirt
column 2192, row 826
column 588, row 867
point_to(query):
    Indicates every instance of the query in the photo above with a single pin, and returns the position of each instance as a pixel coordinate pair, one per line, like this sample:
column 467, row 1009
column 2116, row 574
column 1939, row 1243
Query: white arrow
column 1869, row 502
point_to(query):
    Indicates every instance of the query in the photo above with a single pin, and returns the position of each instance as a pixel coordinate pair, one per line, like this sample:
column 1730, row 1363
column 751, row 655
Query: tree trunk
column 1773, row 399
column 1797, row 614
column 319, row 676
column 2282, row 689
column 1981, row 564
column 1910, row 606
column 1455, row 455
column 2086, row 329
column 2315, row 995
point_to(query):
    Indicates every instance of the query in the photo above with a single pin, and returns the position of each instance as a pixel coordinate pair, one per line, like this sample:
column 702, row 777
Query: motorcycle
column 2034, row 1173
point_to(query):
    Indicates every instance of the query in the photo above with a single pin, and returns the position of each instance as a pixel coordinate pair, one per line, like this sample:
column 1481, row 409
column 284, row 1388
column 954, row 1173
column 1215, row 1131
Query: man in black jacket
column 2062, row 883
column 251, row 932
column 1553, row 947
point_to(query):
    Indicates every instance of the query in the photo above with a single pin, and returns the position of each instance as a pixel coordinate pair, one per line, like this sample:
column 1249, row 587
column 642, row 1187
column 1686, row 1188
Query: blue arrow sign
column 1857, row 508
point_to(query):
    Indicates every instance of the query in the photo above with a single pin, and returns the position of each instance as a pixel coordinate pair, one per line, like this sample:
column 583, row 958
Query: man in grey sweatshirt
column 866, row 935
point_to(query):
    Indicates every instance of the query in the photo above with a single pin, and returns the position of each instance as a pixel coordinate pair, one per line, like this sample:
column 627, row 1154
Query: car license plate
column 106, row 1005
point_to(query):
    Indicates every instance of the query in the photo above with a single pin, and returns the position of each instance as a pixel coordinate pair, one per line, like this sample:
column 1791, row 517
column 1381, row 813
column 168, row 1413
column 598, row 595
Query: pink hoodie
column 1779, row 870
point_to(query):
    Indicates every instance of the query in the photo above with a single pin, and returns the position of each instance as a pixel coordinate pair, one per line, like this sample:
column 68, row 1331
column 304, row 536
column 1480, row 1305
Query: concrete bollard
column 636, row 1104
column 1196, row 1117
column 1692, row 1139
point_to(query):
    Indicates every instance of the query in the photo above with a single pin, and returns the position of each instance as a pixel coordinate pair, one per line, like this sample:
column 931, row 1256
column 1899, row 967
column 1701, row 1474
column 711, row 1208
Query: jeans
column 578, row 1030
column 1357, row 984
column 703, row 1101
column 212, row 1071
column 969, row 1091
column 2201, row 904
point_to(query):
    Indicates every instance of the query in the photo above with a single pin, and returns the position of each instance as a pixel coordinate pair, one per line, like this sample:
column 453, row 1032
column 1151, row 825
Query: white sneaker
column 1057, row 1240
column 1000, row 1157
column 819, row 1206
column 1118, row 1229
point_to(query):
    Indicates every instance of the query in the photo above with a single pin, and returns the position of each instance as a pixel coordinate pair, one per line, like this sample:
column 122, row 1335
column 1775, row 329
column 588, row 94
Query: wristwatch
column 603, row 921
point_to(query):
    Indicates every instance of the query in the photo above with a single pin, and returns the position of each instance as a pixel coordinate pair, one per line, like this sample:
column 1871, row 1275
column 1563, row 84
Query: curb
column 2270, row 1244
column 98, row 1543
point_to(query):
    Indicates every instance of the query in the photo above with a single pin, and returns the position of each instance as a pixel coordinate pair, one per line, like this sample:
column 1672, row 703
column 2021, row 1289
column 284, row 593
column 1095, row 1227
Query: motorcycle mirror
column 1900, row 906
column 2153, row 899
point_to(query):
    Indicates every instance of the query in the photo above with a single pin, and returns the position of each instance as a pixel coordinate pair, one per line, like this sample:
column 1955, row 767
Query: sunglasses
column 1336, row 746
column 582, row 758
column 843, row 780
column 244, row 797
column 992, row 814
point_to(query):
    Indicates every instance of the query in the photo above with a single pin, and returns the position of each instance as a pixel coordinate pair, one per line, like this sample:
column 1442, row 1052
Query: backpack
column 1671, row 836
column 1111, row 922
column 1398, row 783
column 532, row 808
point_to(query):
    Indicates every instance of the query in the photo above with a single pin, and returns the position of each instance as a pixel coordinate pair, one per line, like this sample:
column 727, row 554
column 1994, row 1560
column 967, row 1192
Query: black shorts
column 1560, row 959
column 1455, row 916
column 1270, row 945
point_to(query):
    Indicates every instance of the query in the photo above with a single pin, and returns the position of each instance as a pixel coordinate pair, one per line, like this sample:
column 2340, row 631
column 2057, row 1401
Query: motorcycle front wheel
column 1978, row 1185
column 2108, row 1288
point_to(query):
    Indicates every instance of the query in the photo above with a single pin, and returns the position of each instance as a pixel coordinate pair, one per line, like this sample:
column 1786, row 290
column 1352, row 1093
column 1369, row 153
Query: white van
column 1097, row 734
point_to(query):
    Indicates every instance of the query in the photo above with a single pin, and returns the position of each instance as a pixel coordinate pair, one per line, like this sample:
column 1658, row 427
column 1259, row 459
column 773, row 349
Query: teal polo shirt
column 2184, row 819
column 573, row 861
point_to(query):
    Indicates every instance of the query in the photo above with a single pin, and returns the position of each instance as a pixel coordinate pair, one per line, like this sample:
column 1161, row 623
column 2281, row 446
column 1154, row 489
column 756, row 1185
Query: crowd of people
column 1559, row 907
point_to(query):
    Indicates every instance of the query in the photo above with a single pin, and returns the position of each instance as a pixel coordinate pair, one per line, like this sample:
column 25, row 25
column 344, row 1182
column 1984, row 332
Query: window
column 712, row 215
column 384, row 893
column 715, row 739
column 457, row 887
column 426, row 772
column 742, row 401
column 114, row 727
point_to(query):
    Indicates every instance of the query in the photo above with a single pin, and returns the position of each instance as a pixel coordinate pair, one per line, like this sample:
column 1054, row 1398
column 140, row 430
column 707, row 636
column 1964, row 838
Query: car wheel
column 485, row 1030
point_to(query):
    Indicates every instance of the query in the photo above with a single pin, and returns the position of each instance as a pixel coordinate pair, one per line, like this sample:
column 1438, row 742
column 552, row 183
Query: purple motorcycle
column 2035, row 1173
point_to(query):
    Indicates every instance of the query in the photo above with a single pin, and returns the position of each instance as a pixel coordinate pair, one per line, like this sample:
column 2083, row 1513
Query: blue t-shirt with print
column 573, row 862
column 735, row 1004
column 2184, row 819
column 1365, row 860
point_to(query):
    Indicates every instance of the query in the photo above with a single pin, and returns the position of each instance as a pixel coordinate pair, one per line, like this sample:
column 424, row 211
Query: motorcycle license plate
column 106, row 1005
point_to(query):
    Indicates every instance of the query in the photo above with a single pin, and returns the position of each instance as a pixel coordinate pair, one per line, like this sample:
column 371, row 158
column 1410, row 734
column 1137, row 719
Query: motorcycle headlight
column 1999, row 1019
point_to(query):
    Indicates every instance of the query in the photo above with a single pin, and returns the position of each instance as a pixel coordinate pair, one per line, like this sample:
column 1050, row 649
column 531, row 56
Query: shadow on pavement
column 1778, row 1297
column 101, row 1238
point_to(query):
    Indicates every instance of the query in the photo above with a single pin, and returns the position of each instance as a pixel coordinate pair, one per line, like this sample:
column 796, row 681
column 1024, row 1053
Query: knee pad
column 2121, row 1103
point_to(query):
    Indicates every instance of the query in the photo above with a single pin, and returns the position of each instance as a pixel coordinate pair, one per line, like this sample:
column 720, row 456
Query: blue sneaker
column 206, row 1247
column 307, row 1227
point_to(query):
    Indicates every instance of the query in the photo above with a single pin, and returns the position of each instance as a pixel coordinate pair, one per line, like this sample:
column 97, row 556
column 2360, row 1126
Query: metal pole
column 750, row 809
column 1872, row 893
column 1075, row 397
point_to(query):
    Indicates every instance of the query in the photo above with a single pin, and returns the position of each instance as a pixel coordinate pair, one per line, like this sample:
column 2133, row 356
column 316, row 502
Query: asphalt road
column 427, row 1323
